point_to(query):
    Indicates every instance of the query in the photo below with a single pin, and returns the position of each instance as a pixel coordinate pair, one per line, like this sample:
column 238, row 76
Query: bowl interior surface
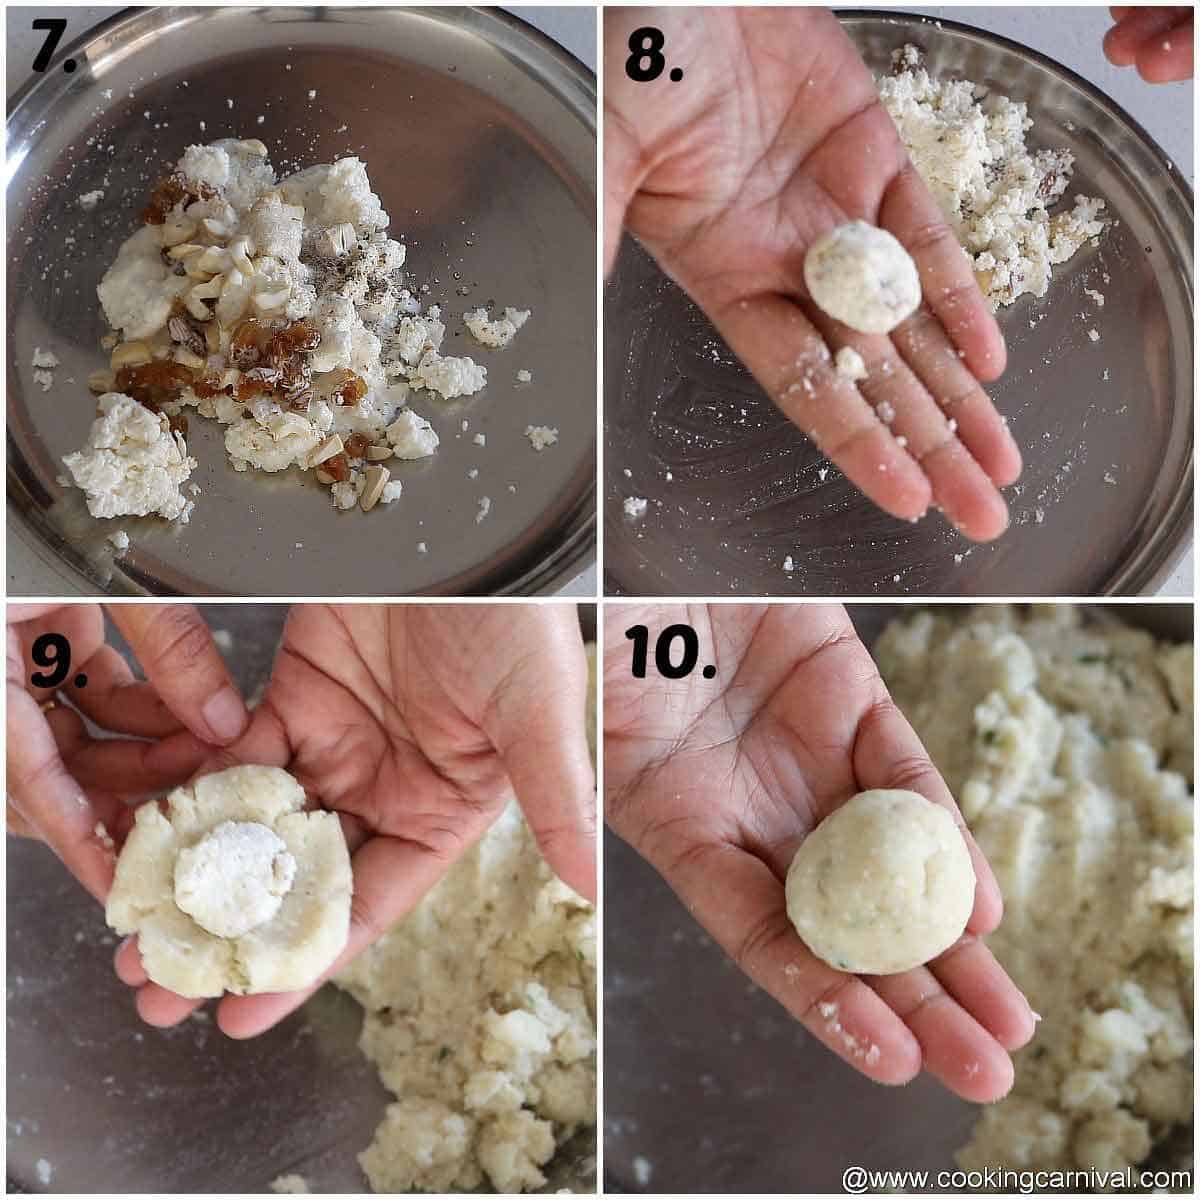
column 479, row 136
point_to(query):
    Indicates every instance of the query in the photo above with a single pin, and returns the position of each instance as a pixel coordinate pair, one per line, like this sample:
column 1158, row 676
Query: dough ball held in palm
column 863, row 277
column 882, row 885
column 234, row 888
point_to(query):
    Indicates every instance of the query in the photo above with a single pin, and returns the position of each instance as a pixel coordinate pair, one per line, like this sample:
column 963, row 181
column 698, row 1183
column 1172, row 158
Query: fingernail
column 225, row 714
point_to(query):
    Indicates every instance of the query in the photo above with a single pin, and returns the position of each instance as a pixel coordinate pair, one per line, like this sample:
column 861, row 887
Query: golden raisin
column 338, row 466
column 170, row 191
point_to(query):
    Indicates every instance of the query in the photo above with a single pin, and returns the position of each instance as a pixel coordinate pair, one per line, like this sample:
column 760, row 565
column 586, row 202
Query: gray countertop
column 33, row 573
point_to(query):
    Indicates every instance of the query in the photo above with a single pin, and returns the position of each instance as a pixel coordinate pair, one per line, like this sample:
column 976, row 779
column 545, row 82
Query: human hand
column 416, row 724
column 72, row 789
column 1157, row 39
column 716, row 783
column 774, row 136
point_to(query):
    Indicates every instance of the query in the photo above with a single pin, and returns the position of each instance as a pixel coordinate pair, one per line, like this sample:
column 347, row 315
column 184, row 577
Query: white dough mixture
column 481, row 1017
column 968, row 145
column 863, row 277
column 882, row 885
column 1069, row 747
column 278, row 307
column 235, row 888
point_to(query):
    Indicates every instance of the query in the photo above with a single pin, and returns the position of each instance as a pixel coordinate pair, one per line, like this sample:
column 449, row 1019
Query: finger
column 740, row 901
column 959, row 483
column 114, row 700
column 888, row 754
column 955, row 1048
column 789, row 358
column 161, row 1008
column 1125, row 40
column 948, row 284
column 541, row 736
column 931, row 357
column 127, row 962
column 51, row 800
column 137, row 769
column 390, row 878
column 1168, row 58
column 16, row 824
column 971, row 974
column 622, row 166
column 177, row 652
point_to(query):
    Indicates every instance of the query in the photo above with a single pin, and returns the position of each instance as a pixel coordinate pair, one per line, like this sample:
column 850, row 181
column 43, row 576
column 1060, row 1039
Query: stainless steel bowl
column 709, row 1079
column 115, row 1106
column 1105, row 502
column 479, row 134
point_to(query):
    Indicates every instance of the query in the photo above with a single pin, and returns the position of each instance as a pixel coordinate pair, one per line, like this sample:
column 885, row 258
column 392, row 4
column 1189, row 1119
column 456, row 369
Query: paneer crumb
column 541, row 436
column 635, row 507
column 849, row 364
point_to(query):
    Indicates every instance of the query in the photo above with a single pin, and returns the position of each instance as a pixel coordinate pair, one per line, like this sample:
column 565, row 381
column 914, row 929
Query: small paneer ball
column 882, row 885
column 234, row 878
column 863, row 277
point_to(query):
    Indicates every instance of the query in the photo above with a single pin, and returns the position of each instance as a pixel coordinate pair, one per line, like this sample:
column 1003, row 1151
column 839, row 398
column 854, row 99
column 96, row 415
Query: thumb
column 176, row 650
column 540, row 735
column 621, row 167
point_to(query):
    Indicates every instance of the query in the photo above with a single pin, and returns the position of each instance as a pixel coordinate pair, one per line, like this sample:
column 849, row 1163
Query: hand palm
column 717, row 783
column 774, row 137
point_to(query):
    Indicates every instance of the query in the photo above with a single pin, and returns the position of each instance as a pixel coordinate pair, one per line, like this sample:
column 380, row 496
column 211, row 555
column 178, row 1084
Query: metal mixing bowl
column 1104, row 505
column 708, row 1078
column 115, row 1106
column 479, row 135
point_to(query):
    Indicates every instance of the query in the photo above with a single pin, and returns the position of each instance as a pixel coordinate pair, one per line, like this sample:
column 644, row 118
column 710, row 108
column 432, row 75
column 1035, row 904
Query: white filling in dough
column 862, row 277
column 882, row 885
column 234, row 879
column 234, row 888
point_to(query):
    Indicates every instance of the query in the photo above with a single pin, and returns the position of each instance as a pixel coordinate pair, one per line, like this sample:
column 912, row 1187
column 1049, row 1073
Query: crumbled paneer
column 1068, row 744
column 643, row 1168
column 449, row 377
column 120, row 541
column 789, row 564
column 1093, row 335
column 411, row 436
column 635, row 507
column 541, row 436
column 524, row 376
column 485, row 507
column 497, row 333
column 133, row 464
column 849, row 364
column 277, row 307
column 89, row 200
column 480, row 1015
column 994, row 192
column 44, row 358
column 290, row 1183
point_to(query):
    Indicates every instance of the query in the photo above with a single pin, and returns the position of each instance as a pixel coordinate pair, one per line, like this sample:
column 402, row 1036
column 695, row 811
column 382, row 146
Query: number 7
column 57, row 27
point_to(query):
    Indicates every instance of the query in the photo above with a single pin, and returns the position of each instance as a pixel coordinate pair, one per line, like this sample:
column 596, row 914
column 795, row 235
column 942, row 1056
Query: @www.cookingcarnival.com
column 857, row 1180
